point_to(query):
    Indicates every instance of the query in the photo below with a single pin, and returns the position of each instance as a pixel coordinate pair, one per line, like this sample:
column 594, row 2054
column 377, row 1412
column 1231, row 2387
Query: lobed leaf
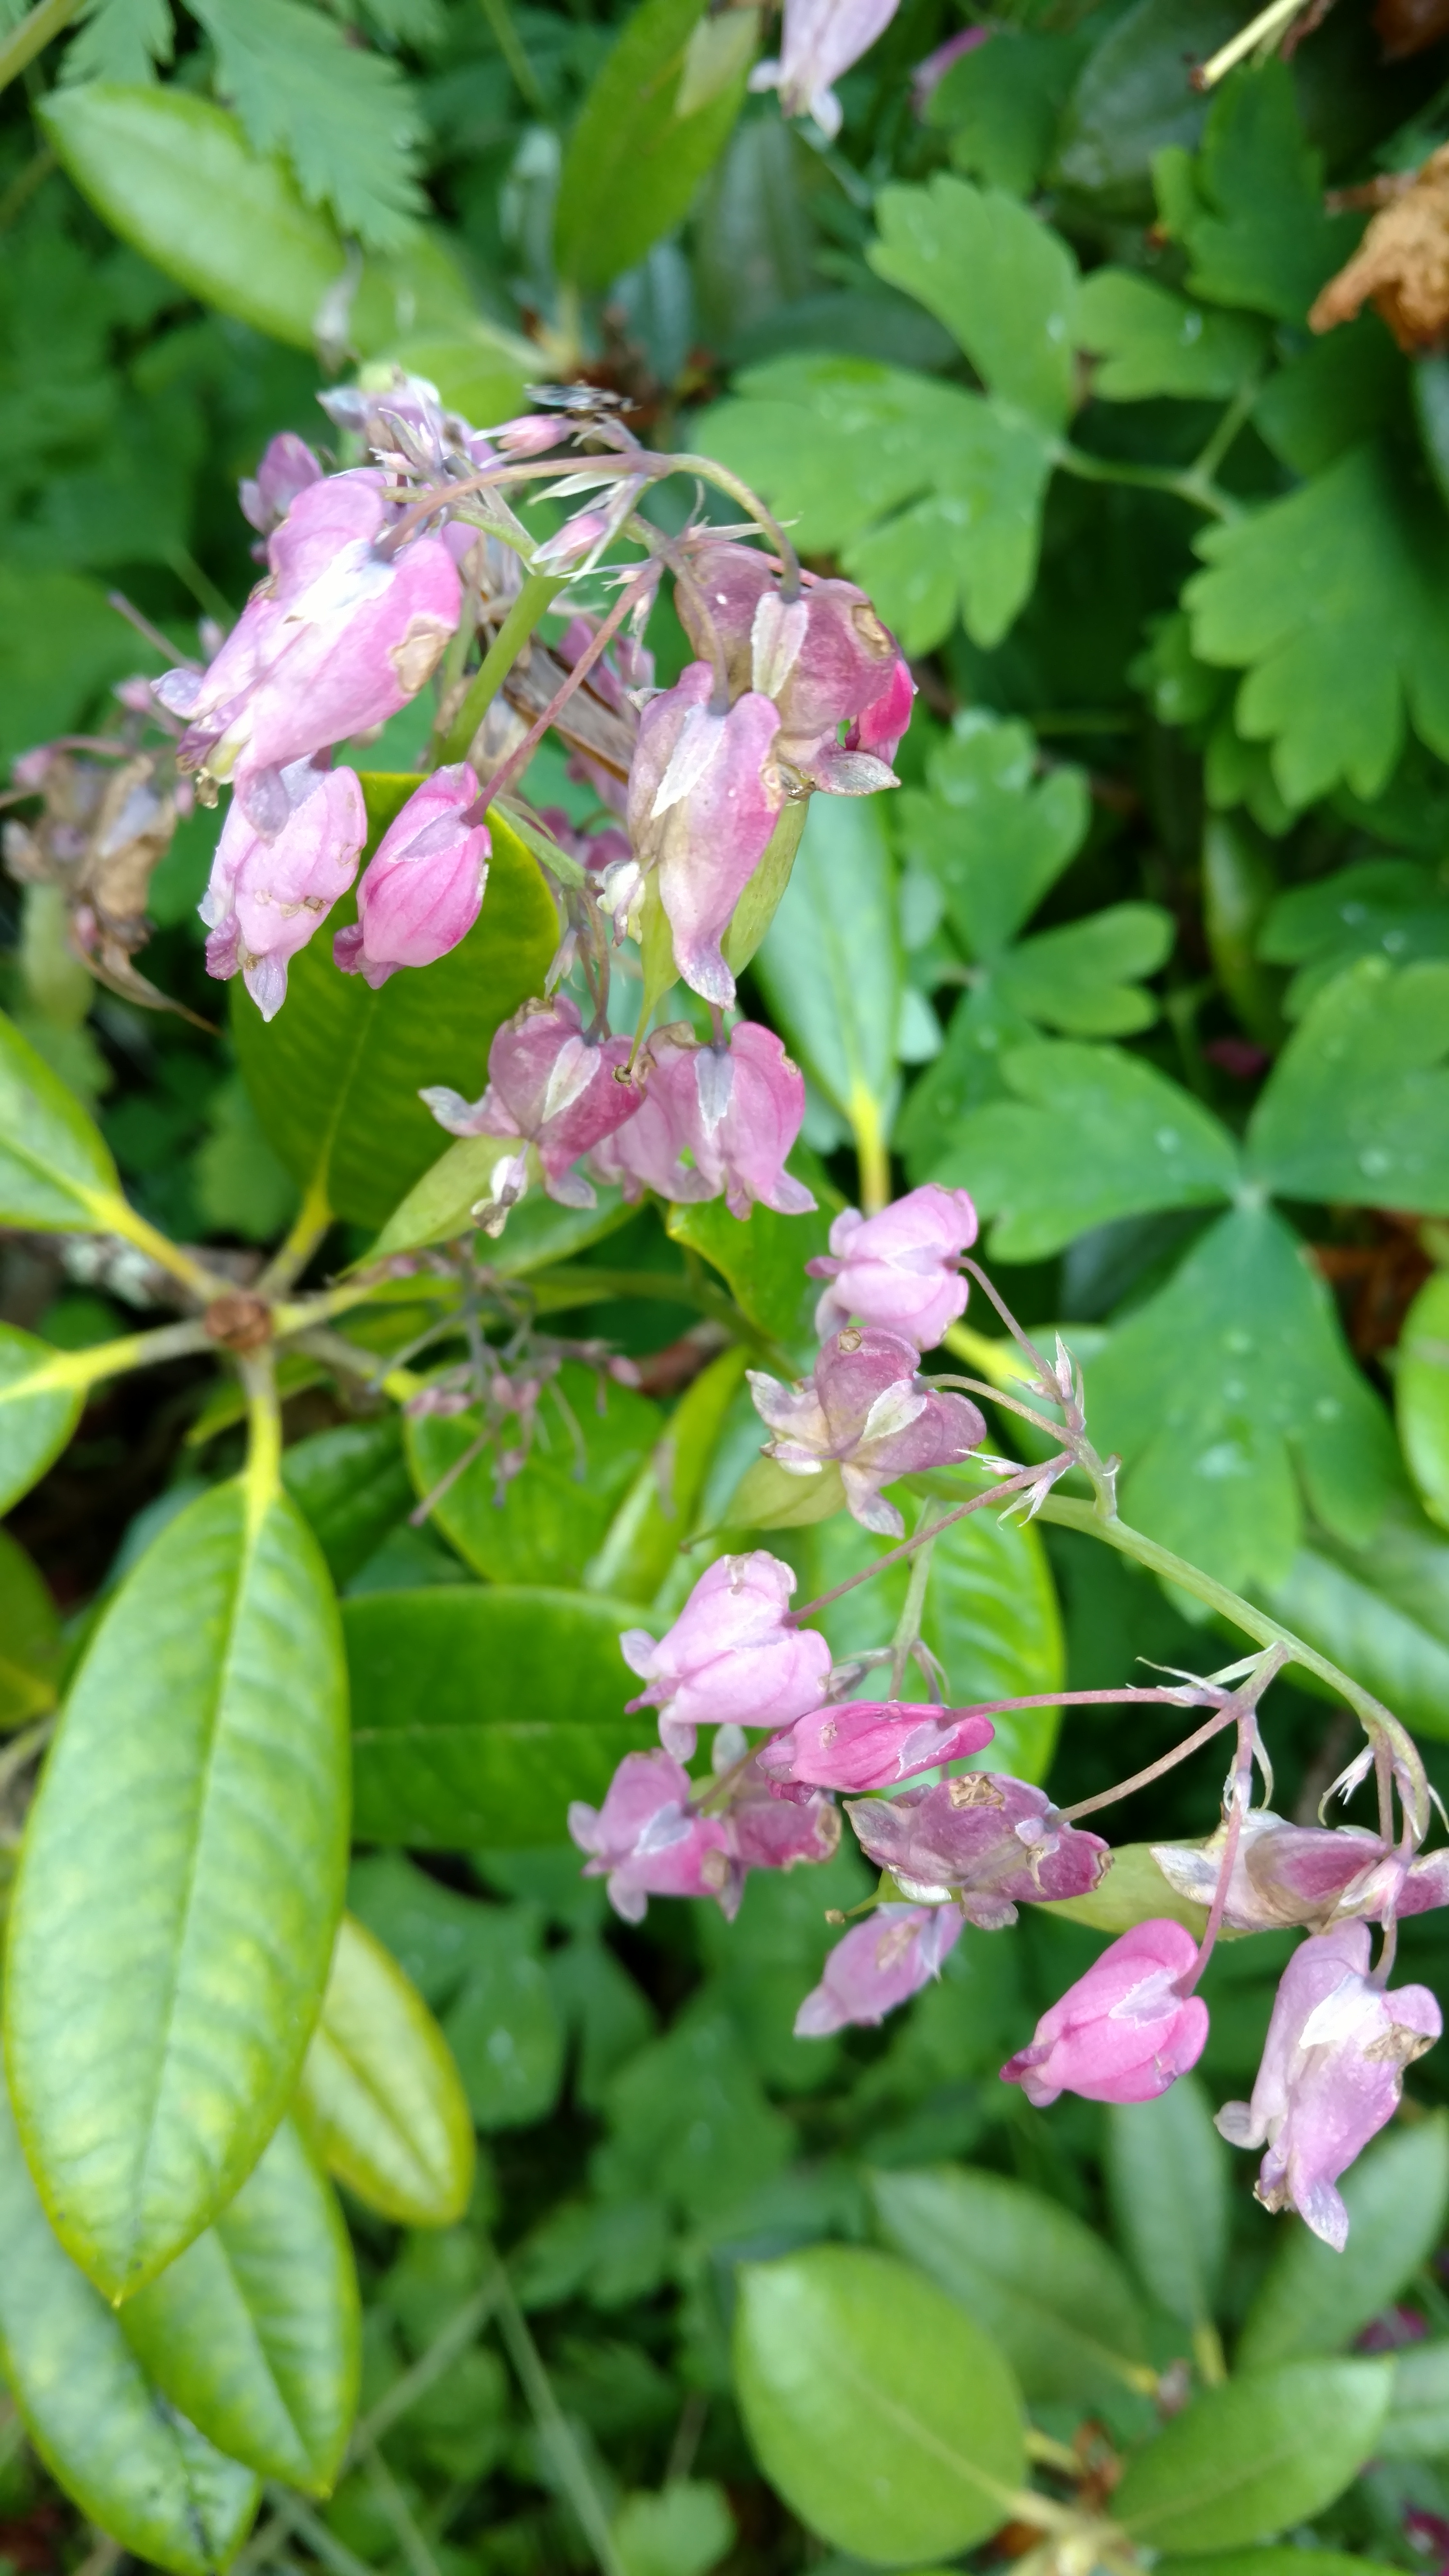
column 999, row 278
column 1357, row 1106
column 1149, row 340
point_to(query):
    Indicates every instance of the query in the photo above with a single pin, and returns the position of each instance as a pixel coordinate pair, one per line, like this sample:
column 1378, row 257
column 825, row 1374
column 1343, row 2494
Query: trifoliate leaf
column 1389, row 908
column 1081, row 978
column 994, row 836
column 1001, row 104
column 344, row 117
column 1332, row 600
column 1358, row 1104
column 966, row 1074
column 1227, row 1388
column 930, row 496
column 120, row 40
column 1249, row 208
column 1150, row 341
column 1002, row 282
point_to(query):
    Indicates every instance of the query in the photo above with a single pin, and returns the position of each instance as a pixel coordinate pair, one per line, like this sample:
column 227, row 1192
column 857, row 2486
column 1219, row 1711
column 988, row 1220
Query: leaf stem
column 262, row 1474
column 538, row 592
column 115, row 1215
column 336, row 1352
column 908, row 1546
column 1184, row 483
column 569, row 2462
column 308, row 1227
column 32, row 35
column 80, row 1369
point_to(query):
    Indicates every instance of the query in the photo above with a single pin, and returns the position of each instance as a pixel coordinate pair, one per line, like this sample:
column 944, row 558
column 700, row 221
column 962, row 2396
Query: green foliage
column 1251, row 2459
column 1151, row 341
column 30, row 1638
column 658, row 115
column 54, row 1169
column 1249, row 210
column 1396, row 2199
column 342, row 115
column 37, row 1412
column 380, row 2095
column 1167, row 2172
column 1002, row 282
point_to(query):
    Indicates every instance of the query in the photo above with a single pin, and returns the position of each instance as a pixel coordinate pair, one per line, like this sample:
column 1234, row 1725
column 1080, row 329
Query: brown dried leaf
column 1401, row 266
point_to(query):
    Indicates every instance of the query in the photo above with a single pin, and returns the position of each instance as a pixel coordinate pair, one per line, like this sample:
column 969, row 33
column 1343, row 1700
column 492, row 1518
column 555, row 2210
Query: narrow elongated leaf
column 658, row 1514
column 1272, row 2562
column 1036, row 2279
column 180, row 1886
column 30, row 1639
column 659, row 113
column 1254, row 2457
column 1313, row 2300
column 380, row 2095
column 478, row 1713
column 139, row 2471
column 1417, row 2427
column 39, row 1409
column 1167, row 2172
column 55, row 1168
column 885, row 2417
column 351, row 1486
column 440, row 1207
column 254, row 2332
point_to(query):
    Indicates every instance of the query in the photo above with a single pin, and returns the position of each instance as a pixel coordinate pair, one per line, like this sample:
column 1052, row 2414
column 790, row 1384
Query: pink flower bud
column 878, row 727
column 820, row 39
column 422, row 890
column 715, row 1119
column 1285, row 1874
column 703, row 800
column 1123, row 2032
column 1332, row 2074
column 898, row 1270
column 872, row 1743
column 866, row 1410
column 570, row 543
column 880, row 1963
column 287, row 467
column 532, row 434
column 646, row 1839
column 268, row 894
column 548, row 1083
column 994, row 1842
column 731, row 1657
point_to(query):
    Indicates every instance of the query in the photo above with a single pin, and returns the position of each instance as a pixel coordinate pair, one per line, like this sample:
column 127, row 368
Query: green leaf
column 1002, row 102
column 1133, row 1891
column 380, row 2096
column 1331, row 601
column 1357, row 1106
column 1081, row 978
column 335, row 1076
column 684, row 2531
column 479, row 1713
column 120, row 40
column 40, row 1406
column 342, row 114
column 1387, row 908
column 1313, row 2300
column 137, row 2470
column 1332, row 396
column 439, row 1208
column 1149, row 340
column 1380, row 1612
column 1272, row 2562
column 504, row 2030
column 427, row 1927
column 1418, row 2419
column 1229, row 1385
column 994, row 835
column 643, row 1543
column 831, row 966
column 180, row 1885
column 1249, row 211
column 30, row 1639
column 887, row 2420
column 1421, row 1395
column 762, row 1262
column 931, row 496
column 965, row 1076
column 254, row 2333
column 1132, row 98
column 1092, row 1134
column 1049, row 2293
column 351, row 1486
column 689, row 2123
column 1167, row 2175
column 1002, row 281
column 591, row 1439
column 61, row 643
column 55, row 1170
column 1254, row 2457
column 642, row 144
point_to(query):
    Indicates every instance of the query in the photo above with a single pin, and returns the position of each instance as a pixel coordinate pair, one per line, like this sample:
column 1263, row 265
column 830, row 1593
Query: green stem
column 510, row 46
column 32, row 35
column 80, row 1369
column 336, row 1352
column 262, row 1474
column 1186, row 484
column 720, row 475
column 569, row 2463
column 908, row 1626
column 537, row 594
column 309, row 1225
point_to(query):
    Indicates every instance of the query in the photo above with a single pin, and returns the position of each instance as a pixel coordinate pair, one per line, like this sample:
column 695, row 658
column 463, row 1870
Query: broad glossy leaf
column 1357, row 1106
column 831, row 965
column 763, row 1263
column 1272, row 2562
column 999, row 278
column 1227, row 1387
column 1147, row 340
column 644, row 1540
column 1047, row 2290
column 1167, row 2174
column 1249, row 211
column 658, row 115
column 1381, row 1612
column 380, row 2095
column 887, row 2420
column 1421, row 1394
column 30, row 1639
column 1254, row 2457
column 994, row 835
column 334, row 1077
column 351, row 1486
column 479, row 1712
column 137, row 2470
column 1312, row 2300
column 180, row 1886
column 1081, row 978
column 439, row 1208
column 504, row 2029
column 39, row 1409
column 590, row 1441
column 1132, row 99
column 1091, row 1134
column 55, row 1170
column 254, row 2332
column 1417, row 2427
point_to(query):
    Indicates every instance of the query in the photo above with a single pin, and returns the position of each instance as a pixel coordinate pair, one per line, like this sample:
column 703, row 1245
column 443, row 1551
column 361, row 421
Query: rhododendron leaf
column 658, row 115
column 1313, row 2299
column 351, row 1486
column 1167, row 2177
column 56, row 1170
column 590, row 1441
column 1417, row 2427
column 1357, row 1106
column 1254, row 2457
column 30, row 1638
column 763, row 1262
column 1133, row 1891
column 660, row 1513
column 1380, row 1611
column 380, row 2098
column 999, row 278
column 1421, row 1394
column 38, row 1411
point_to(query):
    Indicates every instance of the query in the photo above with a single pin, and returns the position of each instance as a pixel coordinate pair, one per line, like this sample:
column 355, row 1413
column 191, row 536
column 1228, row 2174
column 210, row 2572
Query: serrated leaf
column 1380, row 1611
column 999, row 278
column 503, row 2027
column 555, row 1512
column 1314, row 2300
column 994, row 835
column 180, row 1885
column 1332, row 396
column 886, row 2419
column 119, row 40
column 254, row 2332
column 1357, row 1106
column 343, row 115
column 56, row 1171
column 1421, row 1394
column 380, row 2096
column 96, row 2421
column 831, row 966
column 39, row 1409
column 30, row 1638
column 1081, row 978
column 636, row 157
column 1230, row 1385
column 1255, row 2457
column 1167, row 2176
column 1148, row 341
column 1249, row 210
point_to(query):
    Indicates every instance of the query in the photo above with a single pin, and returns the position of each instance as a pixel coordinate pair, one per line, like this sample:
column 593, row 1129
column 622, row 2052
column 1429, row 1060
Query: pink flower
column 268, row 894
column 422, row 890
column 825, row 659
column 898, row 1270
column 820, row 40
column 1332, row 2074
column 872, row 1743
column 647, row 1841
column 287, row 467
column 1123, row 2032
column 554, row 1088
column 1284, row 1874
column 879, row 1964
column 992, row 1841
column 714, row 1119
column 704, row 795
column 866, row 1410
column 767, row 1832
column 532, row 434
column 731, row 1657
column 879, row 727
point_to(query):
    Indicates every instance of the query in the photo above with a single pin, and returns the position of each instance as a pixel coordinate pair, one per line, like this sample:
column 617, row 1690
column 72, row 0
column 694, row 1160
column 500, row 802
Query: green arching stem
column 1185, row 483
column 908, row 1626
column 537, row 595
column 308, row 1227
column 32, row 35
column 262, row 1474
column 569, row 2463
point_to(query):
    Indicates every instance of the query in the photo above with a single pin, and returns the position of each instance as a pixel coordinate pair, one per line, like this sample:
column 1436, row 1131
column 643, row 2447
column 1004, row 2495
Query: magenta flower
column 879, row 1964
column 704, row 796
column 714, row 1119
column 768, row 1832
column 554, row 1088
column 731, row 1657
column 878, row 727
column 992, row 1841
column 422, row 890
column 1285, row 1874
column 646, row 1839
column 820, row 40
column 1124, row 2032
column 872, row 1743
column 267, row 894
column 825, row 659
column 1332, row 2074
column 898, row 1270
column 865, row 1410
column 287, row 467
column 532, row 434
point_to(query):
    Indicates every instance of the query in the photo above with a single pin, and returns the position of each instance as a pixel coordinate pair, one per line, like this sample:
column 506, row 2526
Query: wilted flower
column 552, row 1087
column 865, row 1410
column 1284, row 1874
column 879, row 1964
column 1332, row 2074
column 1124, row 2032
column 825, row 660
column 992, row 1841
column 872, row 1743
column 422, row 890
column 898, row 1270
column 646, row 1839
column 732, row 1656
column 287, row 467
column 269, row 892
column 1400, row 266
column 767, row 1832
column 703, row 798
column 820, row 40
column 714, row 1118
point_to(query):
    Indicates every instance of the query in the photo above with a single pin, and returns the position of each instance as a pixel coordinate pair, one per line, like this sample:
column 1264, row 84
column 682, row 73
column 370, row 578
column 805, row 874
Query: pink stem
column 518, row 759
column 1155, row 1770
column 1012, row 1484
column 1241, row 1792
